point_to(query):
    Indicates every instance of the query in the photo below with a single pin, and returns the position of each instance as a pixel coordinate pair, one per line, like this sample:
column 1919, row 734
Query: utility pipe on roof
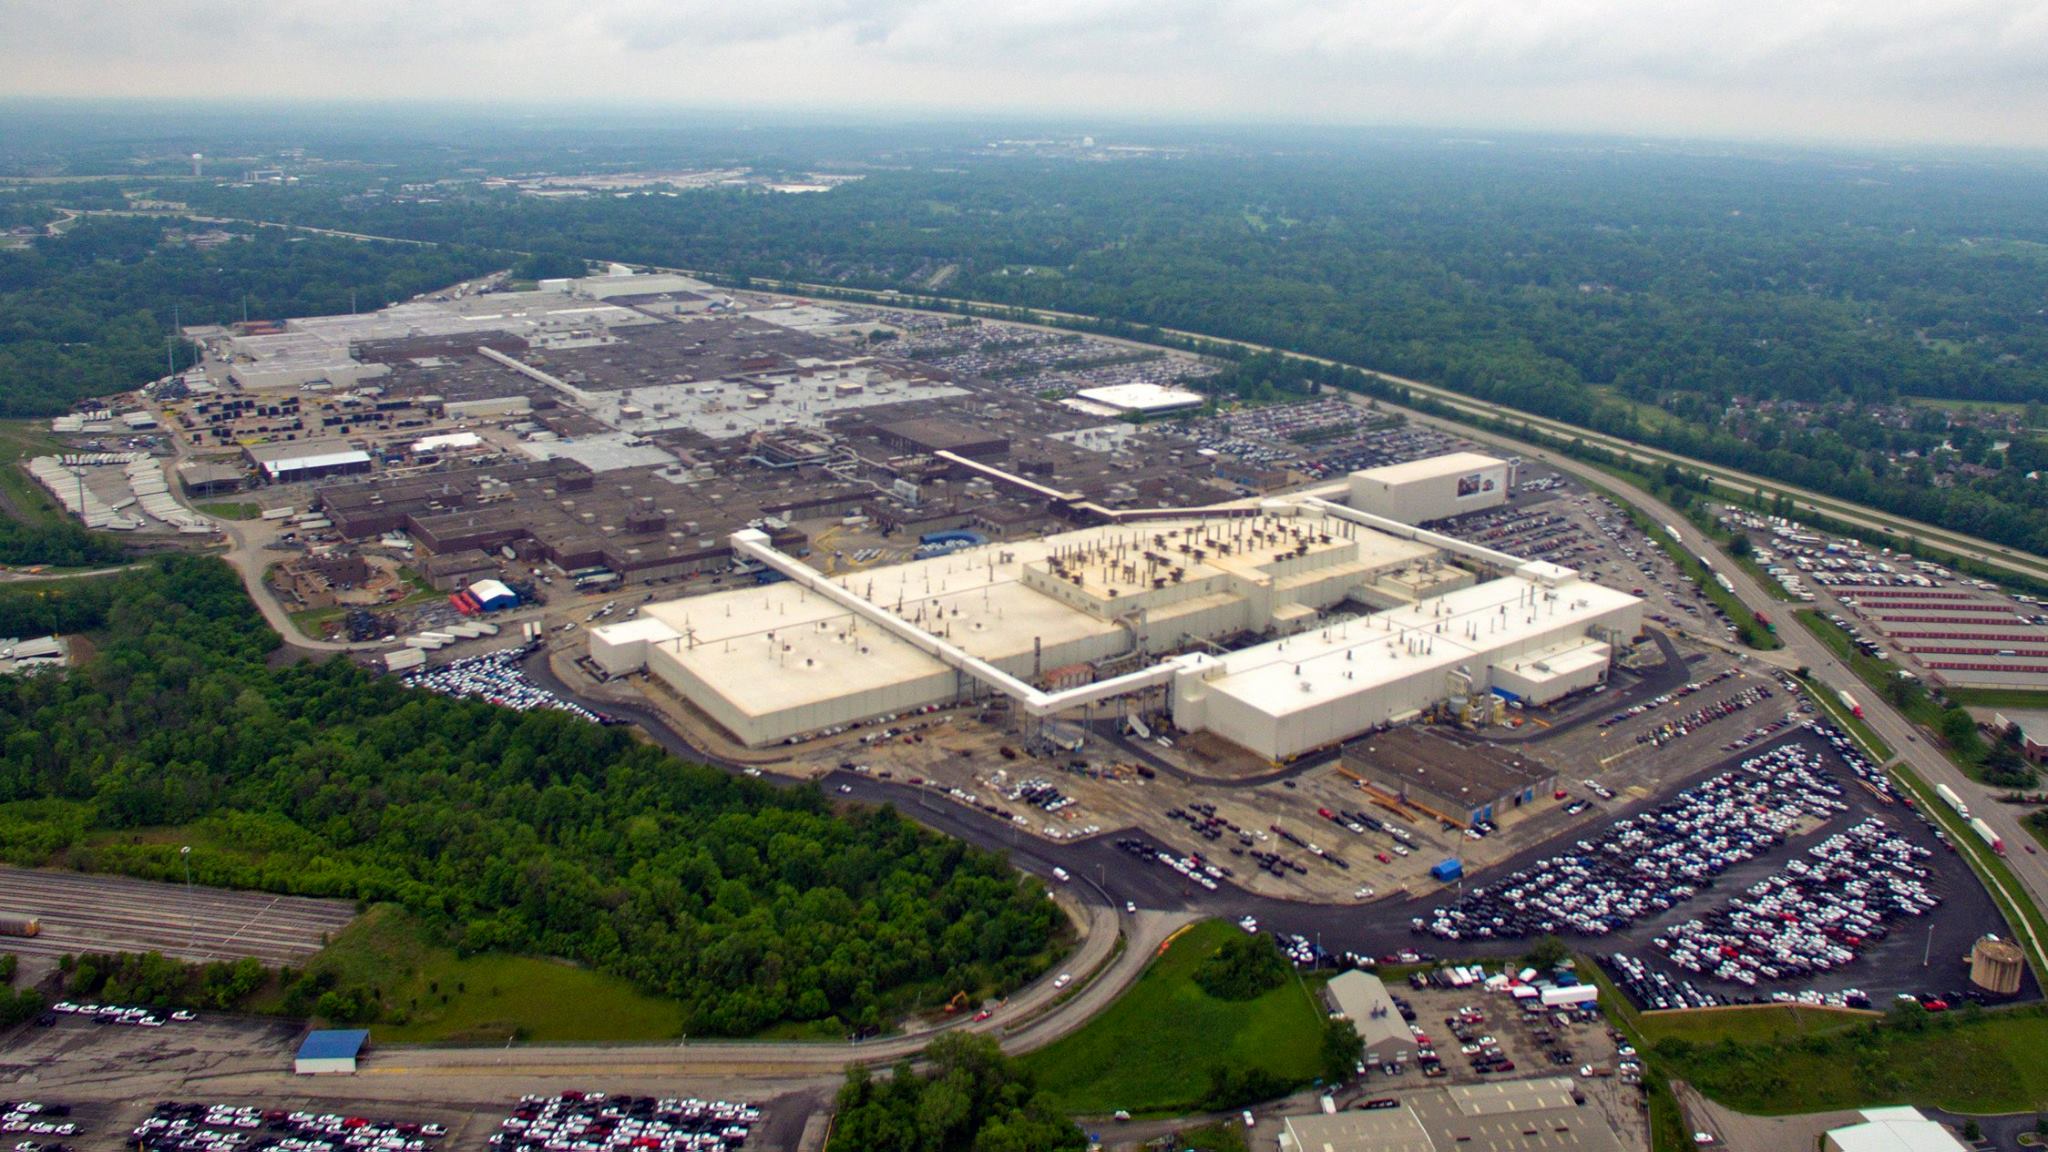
column 753, row 544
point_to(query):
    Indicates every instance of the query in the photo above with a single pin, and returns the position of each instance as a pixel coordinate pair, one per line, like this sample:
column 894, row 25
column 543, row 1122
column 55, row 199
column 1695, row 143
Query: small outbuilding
column 1363, row 999
column 492, row 595
column 331, row 1051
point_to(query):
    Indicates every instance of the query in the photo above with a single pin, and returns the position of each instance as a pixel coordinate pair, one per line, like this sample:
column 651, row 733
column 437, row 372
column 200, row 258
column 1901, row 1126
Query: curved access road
column 1112, row 955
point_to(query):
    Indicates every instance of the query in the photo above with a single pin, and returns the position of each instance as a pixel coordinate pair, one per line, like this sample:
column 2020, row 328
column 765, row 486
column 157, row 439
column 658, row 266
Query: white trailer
column 1985, row 834
column 1949, row 797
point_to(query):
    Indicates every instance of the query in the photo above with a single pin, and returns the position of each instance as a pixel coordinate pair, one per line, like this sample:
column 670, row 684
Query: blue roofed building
column 330, row 1051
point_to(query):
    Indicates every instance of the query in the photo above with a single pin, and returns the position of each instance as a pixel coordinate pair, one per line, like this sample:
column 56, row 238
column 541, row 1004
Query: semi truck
column 1985, row 834
column 1949, row 797
column 1850, row 703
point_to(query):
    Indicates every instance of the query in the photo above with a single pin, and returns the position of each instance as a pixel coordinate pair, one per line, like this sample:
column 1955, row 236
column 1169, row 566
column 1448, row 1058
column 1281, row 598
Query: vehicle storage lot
column 1883, row 968
column 81, row 913
column 114, row 1077
column 1944, row 627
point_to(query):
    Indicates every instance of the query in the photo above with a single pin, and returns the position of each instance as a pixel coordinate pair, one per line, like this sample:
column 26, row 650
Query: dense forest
column 89, row 312
column 525, row 832
column 1741, row 308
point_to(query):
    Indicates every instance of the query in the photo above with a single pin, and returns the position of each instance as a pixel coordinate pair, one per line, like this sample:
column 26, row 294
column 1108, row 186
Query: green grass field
column 232, row 510
column 1997, row 697
column 432, row 994
column 1760, row 1024
column 1151, row 1051
column 1987, row 1065
column 19, row 440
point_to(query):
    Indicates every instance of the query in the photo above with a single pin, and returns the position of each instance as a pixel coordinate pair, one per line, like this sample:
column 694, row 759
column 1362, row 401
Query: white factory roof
column 1441, row 633
column 1895, row 1130
column 780, row 645
column 1430, row 468
column 284, row 465
column 447, row 440
column 1142, row 397
column 976, row 598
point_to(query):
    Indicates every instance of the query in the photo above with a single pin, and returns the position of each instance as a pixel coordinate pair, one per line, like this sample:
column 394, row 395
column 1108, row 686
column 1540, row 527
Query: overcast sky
column 1955, row 71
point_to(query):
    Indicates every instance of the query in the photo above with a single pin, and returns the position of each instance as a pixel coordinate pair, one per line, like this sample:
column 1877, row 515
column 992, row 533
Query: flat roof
column 1462, row 626
column 334, row 1044
column 1378, row 1130
column 1430, row 468
column 1498, row 1116
column 297, row 450
column 1479, row 773
column 291, row 464
column 1895, row 1130
column 779, row 646
column 1142, row 397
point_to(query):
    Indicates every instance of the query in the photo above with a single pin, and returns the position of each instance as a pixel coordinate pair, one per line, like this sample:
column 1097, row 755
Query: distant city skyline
column 1971, row 72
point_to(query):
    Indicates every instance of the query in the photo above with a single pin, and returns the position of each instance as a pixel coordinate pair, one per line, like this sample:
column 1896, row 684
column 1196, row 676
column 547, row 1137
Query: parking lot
column 80, row 913
column 1515, row 1039
column 1781, row 871
column 1551, row 516
column 1930, row 621
column 499, row 678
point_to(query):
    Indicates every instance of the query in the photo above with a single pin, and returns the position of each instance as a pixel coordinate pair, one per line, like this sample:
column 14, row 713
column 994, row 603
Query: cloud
column 1974, row 70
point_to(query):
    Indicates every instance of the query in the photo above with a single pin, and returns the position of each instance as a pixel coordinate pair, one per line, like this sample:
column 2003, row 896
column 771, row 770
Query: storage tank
column 20, row 926
column 1997, row 965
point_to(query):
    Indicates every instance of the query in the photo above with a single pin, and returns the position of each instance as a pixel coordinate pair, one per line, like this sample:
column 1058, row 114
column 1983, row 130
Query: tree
column 1243, row 968
column 1546, row 952
column 1343, row 1048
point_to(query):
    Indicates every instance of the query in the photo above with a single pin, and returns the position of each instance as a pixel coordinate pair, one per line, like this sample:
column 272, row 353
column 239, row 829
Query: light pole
column 191, row 913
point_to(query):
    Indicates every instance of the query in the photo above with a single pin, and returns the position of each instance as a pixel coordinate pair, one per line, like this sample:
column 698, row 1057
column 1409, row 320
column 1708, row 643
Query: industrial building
column 1362, row 998
column 789, row 659
column 1900, row 1129
column 1433, row 488
column 293, row 460
column 1500, row 1116
column 330, row 1052
column 1458, row 781
column 1137, row 399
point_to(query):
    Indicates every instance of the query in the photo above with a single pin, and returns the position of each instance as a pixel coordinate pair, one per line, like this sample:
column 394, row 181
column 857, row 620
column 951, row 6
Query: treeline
column 1634, row 293
column 968, row 1098
column 90, row 312
column 64, row 544
column 523, row 832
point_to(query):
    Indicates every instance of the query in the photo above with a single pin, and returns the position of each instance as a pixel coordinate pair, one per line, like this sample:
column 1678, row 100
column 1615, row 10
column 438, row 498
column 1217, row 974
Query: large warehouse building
column 1435, row 488
column 1427, row 620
